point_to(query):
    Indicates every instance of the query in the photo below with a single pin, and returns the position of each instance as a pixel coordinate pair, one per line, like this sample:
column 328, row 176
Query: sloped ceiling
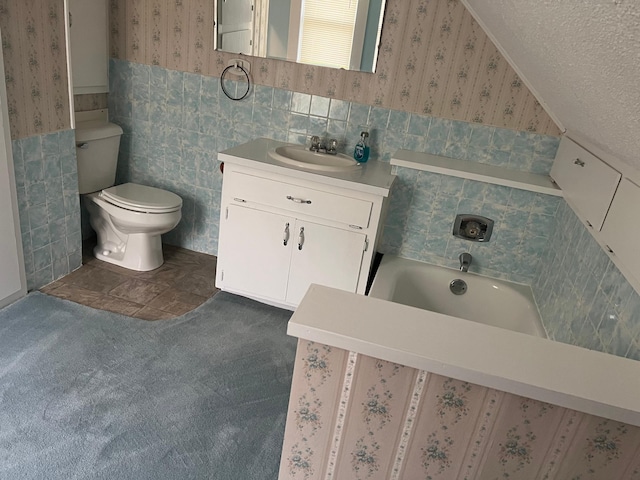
column 582, row 61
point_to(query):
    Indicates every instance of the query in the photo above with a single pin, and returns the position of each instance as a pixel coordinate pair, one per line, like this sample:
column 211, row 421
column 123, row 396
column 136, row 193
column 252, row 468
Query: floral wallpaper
column 434, row 59
column 88, row 102
column 388, row 421
column 33, row 43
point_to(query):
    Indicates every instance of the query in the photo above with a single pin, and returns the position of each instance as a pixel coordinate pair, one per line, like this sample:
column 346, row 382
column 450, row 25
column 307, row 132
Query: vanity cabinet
column 278, row 257
column 282, row 230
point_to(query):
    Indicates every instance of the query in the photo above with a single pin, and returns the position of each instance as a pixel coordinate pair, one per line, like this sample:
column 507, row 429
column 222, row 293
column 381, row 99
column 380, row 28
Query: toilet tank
column 97, row 144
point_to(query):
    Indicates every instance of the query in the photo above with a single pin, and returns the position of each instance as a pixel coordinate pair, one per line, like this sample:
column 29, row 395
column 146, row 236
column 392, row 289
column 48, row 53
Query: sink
column 298, row 156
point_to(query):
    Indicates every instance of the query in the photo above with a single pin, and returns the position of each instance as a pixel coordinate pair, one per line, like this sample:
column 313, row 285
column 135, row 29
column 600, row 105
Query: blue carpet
column 89, row 394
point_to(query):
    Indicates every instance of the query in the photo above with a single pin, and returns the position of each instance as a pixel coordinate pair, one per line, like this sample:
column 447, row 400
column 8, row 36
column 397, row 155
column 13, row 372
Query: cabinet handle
column 285, row 237
column 298, row 200
column 301, row 238
column 579, row 162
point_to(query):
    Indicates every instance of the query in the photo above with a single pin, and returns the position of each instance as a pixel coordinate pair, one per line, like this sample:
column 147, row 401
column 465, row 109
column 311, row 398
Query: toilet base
column 141, row 252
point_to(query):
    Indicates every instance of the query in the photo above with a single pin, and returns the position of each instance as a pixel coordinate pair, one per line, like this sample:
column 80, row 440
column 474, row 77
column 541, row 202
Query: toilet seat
column 141, row 198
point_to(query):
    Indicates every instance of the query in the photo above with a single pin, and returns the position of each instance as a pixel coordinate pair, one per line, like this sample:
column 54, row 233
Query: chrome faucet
column 315, row 143
column 465, row 261
column 318, row 146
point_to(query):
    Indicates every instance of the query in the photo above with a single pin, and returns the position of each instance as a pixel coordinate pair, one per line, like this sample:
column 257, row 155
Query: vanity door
column 324, row 255
column 255, row 252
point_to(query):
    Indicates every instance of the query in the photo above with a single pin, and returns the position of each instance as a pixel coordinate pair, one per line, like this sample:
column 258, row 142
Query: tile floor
column 184, row 281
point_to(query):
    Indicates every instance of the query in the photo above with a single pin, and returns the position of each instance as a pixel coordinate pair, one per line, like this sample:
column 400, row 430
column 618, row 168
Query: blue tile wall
column 423, row 208
column 583, row 298
column 176, row 122
column 47, row 187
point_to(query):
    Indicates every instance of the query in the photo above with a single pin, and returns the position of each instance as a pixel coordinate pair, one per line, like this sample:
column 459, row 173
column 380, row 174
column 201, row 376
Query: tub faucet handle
column 465, row 261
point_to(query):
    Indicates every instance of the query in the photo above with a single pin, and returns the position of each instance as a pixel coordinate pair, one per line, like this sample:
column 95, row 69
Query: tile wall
column 176, row 122
column 47, row 187
column 583, row 298
column 423, row 208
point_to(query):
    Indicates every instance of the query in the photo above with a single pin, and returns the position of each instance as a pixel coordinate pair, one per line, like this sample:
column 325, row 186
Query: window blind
column 327, row 32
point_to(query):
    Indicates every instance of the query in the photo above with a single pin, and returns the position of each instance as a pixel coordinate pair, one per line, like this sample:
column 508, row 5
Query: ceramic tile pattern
column 423, row 207
column 176, row 122
column 437, row 427
column 181, row 284
column 47, row 187
column 583, row 298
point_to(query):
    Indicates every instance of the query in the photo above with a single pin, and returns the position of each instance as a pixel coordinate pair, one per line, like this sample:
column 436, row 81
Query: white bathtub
column 492, row 302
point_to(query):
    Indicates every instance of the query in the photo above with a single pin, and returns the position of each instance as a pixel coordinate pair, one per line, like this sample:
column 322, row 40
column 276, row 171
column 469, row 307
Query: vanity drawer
column 317, row 203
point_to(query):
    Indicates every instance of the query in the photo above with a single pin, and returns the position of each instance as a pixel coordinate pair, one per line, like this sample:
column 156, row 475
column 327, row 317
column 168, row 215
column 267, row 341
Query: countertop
column 565, row 375
column 372, row 177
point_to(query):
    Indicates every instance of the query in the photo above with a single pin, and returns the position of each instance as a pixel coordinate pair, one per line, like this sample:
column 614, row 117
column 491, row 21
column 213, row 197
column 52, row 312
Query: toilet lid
column 141, row 198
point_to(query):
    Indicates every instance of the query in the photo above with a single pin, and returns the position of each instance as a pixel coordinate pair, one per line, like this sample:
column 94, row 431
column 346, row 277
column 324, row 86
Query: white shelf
column 481, row 172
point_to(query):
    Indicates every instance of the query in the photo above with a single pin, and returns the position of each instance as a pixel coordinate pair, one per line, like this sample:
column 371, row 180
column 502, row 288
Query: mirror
column 329, row 33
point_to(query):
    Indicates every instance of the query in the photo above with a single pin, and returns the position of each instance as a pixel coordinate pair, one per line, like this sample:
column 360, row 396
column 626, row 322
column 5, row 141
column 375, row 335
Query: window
column 330, row 33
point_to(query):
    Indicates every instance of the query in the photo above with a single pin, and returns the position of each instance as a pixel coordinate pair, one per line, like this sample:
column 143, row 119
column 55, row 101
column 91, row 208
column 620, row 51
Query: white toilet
column 128, row 219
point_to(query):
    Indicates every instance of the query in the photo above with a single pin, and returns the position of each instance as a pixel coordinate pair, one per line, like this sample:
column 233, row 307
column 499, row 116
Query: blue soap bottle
column 361, row 152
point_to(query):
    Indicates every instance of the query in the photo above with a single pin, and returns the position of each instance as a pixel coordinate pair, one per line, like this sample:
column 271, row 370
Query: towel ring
column 236, row 67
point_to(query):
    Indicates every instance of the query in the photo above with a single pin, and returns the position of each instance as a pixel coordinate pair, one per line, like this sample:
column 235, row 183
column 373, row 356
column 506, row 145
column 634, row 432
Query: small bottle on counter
column 361, row 152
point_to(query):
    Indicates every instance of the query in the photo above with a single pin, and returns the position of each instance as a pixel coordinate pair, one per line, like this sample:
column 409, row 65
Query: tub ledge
column 584, row 380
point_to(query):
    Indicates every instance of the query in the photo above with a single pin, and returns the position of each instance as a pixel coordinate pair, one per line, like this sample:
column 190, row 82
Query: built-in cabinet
column 279, row 234
column 88, row 38
column 604, row 201
column 279, row 256
column 587, row 182
column 622, row 230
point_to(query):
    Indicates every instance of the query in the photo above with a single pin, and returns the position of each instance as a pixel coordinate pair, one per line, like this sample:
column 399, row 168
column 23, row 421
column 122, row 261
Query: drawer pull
column 298, row 200
column 241, row 200
column 301, row 238
column 579, row 162
column 285, row 237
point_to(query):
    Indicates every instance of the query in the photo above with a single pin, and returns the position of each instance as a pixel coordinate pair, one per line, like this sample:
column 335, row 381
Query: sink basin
column 298, row 156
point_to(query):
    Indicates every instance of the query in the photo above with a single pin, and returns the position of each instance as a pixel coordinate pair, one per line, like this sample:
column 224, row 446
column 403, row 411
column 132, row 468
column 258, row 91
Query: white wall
column 13, row 283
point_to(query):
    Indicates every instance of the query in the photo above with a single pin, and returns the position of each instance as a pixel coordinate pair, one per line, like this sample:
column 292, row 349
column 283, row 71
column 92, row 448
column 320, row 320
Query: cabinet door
column 621, row 229
column 89, row 46
column 586, row 181
column 253, row 256
column 323, row 255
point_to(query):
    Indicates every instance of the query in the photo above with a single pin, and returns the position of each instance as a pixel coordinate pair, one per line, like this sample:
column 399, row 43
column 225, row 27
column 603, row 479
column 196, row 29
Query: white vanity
column 283, row 227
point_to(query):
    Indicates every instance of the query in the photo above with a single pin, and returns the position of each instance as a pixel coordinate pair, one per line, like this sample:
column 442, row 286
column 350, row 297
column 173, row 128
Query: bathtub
column 492, row 302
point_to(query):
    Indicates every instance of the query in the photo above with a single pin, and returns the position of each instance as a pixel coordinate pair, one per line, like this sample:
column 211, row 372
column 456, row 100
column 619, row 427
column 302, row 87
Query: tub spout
column 465, row 261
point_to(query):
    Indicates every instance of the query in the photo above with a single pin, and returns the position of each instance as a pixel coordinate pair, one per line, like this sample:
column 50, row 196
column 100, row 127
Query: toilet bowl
column 128, row 219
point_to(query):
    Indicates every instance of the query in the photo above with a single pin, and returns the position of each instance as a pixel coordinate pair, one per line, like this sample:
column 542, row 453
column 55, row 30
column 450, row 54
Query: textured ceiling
column 581, row 58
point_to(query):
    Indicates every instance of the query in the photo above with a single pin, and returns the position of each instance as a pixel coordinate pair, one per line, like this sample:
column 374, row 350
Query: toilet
column 128, row 219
